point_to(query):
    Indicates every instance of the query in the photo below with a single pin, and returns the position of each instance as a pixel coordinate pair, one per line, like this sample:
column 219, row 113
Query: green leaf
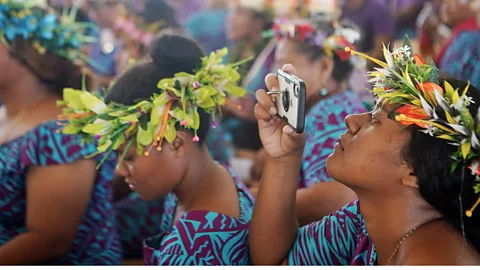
column 434, row 74
column 196, row 120
column 118, row 142
column 466, row 149
column 104, row 147
column 448, row 90
column 170, row 133
column 143, row 120
column 207, row 103
column 72, row 98
column 95, row 129
column 235, row 90
column 71, row 129
column 144, row 137
column 128, row 119
column 93, row 103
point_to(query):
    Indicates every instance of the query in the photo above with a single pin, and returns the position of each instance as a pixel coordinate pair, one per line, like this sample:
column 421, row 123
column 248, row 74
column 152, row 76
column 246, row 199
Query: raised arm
column 274, row 223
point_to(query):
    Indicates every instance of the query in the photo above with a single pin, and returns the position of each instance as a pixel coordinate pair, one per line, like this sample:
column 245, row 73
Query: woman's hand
column 279, row 139
column 258, row 164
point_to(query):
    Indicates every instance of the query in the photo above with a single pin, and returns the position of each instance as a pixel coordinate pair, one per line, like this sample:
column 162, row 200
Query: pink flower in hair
column 184, row 123
column 196, row 139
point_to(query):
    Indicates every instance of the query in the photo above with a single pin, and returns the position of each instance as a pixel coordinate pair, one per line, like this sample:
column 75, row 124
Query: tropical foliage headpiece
column 151, row 121
column 304, row 30
column 33, row 20
column 439, row 110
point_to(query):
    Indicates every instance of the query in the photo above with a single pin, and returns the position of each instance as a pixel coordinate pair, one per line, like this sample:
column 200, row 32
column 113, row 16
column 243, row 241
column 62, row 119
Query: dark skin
column 386, row 187
column 187, row 170
column 53, row 193
column 327, row 197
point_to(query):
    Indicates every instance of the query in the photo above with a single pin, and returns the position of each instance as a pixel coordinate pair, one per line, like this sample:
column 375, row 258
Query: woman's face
column 369, row 155
column 241, row 23
column 152, row 176
column 311, row 73
column 453, row 12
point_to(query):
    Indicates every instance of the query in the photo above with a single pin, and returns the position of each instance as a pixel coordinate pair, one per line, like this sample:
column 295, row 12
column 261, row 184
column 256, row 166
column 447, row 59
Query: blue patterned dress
column 323, row 125
column 339, row 239
column 96, row 241
column 202, row 237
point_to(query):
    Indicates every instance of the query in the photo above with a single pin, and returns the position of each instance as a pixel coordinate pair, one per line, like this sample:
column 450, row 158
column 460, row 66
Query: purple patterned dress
column 96, row 241
column 323, row 125
column 339, row 239
column 202, row 237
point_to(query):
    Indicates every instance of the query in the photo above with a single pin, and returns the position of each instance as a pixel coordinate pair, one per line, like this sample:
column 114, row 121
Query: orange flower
column 408, row 114
column 418, row 60
column 429, row 87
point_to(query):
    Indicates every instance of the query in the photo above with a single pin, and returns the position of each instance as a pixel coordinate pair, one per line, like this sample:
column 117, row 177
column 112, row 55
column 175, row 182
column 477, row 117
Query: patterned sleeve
column 331, row 241
column 47, row 147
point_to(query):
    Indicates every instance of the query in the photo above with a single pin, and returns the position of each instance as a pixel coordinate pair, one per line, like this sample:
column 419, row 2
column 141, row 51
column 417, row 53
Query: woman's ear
column 410, row 180
column 323, row 69
column 180, row 143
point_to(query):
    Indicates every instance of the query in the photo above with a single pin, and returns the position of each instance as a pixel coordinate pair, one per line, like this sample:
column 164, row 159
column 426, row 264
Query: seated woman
column 207, row 210
column 317, row 50
column 55, row 206
column 412, row 161
column 459, row 54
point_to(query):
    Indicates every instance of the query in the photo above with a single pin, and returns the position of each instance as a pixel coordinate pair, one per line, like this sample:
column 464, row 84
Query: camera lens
column 296, row 89
column 286, row 101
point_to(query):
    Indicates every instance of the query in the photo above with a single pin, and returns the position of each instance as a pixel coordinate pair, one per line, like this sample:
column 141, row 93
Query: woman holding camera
column 317, row 49
column 412, row 162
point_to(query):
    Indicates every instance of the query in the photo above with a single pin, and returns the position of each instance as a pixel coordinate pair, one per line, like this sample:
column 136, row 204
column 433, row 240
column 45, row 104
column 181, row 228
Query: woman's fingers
column 290, row 69
column 272, row 82
column 266, row 102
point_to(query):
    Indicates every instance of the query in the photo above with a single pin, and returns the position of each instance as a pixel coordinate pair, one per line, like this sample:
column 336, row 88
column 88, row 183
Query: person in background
column 207, row 209
column 374, row 20
column 248, row 20
column 417, row 189
column 460, row 54
column 405, row 13
column 103, row 13
column 317, row 50
column 432, row 32
column 184, row 9
column 209, row 26
column 56, row 207
column 136, row 29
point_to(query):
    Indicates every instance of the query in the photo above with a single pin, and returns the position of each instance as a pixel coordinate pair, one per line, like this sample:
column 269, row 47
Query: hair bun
column 176, row 53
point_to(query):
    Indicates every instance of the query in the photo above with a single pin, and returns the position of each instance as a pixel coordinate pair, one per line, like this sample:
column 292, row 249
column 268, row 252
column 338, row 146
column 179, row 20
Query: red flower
column 418, row 60
column 409, row 113
column 303, row 30
column 428, row 87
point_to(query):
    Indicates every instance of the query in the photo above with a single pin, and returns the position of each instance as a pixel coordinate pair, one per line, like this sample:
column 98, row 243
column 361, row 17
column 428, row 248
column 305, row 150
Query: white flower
column 467, row 100
column 430, row 130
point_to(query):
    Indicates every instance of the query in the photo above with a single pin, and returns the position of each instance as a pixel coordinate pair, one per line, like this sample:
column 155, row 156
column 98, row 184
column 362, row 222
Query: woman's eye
column 373, row 120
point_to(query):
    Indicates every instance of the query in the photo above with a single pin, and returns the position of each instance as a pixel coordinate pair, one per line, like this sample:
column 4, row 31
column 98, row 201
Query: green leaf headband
column 150, row 121
column 404, row 78
column 32, row 20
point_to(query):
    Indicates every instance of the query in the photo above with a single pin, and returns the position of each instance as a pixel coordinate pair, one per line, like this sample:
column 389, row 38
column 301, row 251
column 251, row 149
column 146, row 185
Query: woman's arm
column 57, row 198
column 321, row 200
column 274, row 223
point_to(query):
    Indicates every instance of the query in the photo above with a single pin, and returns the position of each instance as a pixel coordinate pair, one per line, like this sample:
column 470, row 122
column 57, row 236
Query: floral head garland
column 135, row 29
column 151, row 121
column 305, row 31
column 31, row 20
column 440, row 111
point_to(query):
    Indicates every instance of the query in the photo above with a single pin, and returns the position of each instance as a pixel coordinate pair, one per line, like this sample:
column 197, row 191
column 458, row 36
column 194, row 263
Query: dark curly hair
column 342, row 69
column 449, row 193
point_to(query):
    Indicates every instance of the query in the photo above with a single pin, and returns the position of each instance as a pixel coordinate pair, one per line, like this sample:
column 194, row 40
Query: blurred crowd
column 130, row 35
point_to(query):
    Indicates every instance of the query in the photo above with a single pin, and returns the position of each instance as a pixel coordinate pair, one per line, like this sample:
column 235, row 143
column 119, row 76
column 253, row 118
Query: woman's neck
column 389, row 218
column 22, row 93
column 201, row 176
